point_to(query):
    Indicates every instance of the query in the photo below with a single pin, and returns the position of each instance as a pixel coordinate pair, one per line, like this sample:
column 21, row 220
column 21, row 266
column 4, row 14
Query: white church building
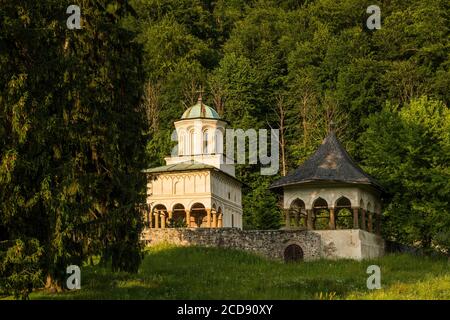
column 197, row 187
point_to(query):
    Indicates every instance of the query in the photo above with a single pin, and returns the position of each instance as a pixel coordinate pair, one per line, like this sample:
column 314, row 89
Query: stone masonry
column 269, row 243
column 335, row 244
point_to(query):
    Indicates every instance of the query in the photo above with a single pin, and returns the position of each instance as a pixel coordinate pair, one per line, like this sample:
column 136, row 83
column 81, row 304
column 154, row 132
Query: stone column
column 378, row 214
column 309, row 219
column 332, row 223
column 163, row 220
column 214, row 224
column 355, row 218
column 157, row 220
column 188, row 218
column 150, row 219
column 369, row 222
column 288, row 218
column 220, row 222
column 314, row 219
column 363, row 219
column 208, row 218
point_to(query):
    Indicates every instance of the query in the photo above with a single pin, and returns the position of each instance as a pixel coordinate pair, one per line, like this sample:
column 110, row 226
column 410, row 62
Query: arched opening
column 198, row 216
column 182, row 144
column 159, row 216
column 219, row 218
column 297, row 213
column 191, row 143
column 218, row 141
column 362, row 215
column 377, row 218
column 343, row 213
column 321, row 217
column 369, row 218
column 214, row 216
column 178, row 217
column 293, row 253
column 205, row 142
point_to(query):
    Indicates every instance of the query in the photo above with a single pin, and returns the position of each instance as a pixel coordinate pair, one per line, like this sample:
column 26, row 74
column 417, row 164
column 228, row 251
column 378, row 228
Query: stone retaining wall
column 331, row 244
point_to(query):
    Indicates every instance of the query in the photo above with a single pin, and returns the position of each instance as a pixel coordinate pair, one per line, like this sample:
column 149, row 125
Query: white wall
column 350, row 244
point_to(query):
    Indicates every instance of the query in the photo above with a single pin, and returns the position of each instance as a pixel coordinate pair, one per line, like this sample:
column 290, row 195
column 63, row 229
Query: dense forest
column 83, row 111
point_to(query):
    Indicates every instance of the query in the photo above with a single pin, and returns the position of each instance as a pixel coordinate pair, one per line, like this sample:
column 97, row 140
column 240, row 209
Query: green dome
column 200, row 110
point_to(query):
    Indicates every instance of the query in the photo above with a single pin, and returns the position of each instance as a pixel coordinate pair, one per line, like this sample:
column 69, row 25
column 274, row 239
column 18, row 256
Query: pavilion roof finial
column 200, row 110
column 200, row 95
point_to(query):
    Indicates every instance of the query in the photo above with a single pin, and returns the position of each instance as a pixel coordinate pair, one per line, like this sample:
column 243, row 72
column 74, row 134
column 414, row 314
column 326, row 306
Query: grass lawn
column 169, row 272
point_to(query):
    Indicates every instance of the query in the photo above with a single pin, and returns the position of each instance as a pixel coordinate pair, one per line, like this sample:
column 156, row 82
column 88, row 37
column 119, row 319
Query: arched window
column 205, row 142
column 191, row 143
column 181, row 144
column 218, row 142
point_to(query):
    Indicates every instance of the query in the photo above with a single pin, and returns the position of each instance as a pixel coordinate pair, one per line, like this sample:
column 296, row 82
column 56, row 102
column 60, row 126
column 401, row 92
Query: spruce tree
column 72, row 135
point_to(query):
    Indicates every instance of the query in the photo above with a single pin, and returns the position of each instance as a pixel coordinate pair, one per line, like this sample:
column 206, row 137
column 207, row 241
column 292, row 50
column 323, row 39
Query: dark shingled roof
column 330, row 163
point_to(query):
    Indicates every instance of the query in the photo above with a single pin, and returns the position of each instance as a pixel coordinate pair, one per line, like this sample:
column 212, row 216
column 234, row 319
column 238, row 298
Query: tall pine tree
column 72, row 135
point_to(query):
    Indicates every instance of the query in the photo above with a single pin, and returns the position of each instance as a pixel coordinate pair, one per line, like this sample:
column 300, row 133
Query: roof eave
column 203, row 118
column 288, row 184
column 196, row 169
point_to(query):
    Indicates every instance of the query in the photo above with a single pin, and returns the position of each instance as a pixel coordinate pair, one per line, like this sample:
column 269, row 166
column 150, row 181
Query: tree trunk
column 52, row 285
column 281, row 113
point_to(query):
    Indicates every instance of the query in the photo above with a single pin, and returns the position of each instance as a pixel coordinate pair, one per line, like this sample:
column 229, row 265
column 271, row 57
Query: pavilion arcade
column 330, row 191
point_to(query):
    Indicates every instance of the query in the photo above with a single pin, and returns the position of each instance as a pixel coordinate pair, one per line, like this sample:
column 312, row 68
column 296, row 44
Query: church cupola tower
column 197, row 187
column 200, row 134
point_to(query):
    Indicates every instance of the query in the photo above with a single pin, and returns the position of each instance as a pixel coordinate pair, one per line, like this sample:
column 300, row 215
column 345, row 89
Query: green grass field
column 169, row 272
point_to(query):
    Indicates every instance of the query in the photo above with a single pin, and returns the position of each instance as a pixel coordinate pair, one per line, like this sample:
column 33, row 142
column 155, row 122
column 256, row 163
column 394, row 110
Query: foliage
column 19, row 267
column 442, row 240
column 177, row 223
column 408, row 149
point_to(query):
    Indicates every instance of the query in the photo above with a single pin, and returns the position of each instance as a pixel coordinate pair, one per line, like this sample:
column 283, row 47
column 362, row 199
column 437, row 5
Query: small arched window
column 205, row 142
column 181, row 144
column 190, row 144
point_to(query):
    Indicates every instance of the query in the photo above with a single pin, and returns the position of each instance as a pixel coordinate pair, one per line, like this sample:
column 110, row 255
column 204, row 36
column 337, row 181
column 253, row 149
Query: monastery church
column 197, row 187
